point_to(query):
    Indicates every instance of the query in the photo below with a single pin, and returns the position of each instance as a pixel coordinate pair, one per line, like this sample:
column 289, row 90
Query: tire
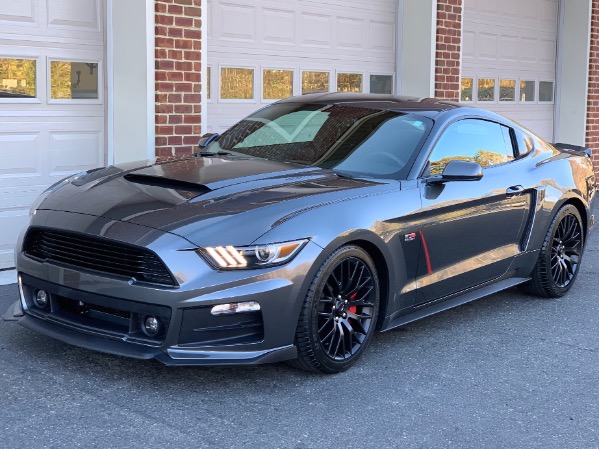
column 559, row 259
column 339, row 313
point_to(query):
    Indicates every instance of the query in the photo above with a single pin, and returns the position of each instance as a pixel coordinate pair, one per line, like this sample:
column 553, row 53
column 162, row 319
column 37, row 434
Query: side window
column 525, row 143
column 480, row 141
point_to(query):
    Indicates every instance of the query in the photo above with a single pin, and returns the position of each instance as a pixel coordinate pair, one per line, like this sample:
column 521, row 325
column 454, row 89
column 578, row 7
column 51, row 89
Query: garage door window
column 17, row 78
column 546, row 91
column 236, row 83
column 73, row 80
column 486, row 89
column 381, row 84
column 208, row 82
column 507, row 90
column 527, row 91
column 277, row 84
column 349, row 82
column 315, row 82
column 466, row 89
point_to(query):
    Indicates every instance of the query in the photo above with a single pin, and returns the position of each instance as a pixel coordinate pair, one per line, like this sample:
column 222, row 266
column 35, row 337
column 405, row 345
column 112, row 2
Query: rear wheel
column 559, row 259
column 339, row 313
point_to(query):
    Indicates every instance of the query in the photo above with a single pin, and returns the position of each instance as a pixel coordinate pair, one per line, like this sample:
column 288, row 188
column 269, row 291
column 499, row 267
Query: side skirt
column 441, row 305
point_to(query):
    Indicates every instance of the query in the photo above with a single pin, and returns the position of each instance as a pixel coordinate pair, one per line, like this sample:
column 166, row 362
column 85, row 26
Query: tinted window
column 486, row 143
column 356, row 140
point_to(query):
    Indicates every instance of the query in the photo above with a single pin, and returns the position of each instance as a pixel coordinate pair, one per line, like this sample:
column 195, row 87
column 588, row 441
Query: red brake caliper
column 352, row 309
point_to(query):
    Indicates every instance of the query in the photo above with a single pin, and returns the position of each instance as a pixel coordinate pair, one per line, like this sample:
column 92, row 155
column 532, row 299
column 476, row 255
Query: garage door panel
column 509, row 48
column 512, row 40
column 75, row 151
column 316, row 30
column 351, row 33
column 334, row 36
column 79, row 14
column 279, row 26
column 382, row 36
column 43, row 140
column 549, row 12
column 21, row 12
column 13, row 221
column 12, row 148
column 238, row 22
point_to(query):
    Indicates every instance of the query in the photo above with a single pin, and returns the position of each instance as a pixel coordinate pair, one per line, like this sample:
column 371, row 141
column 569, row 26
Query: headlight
column 248, row 257
column 53, row 188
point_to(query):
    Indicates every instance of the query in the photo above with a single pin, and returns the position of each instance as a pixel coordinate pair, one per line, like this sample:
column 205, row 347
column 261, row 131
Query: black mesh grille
column 97, row 254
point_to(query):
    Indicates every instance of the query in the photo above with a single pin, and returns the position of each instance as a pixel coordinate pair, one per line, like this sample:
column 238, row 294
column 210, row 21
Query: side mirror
column 206, row 139
column 457, row 170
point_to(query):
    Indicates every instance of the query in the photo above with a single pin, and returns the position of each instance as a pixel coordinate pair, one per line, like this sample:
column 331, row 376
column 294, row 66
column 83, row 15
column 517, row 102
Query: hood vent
column 167, row 183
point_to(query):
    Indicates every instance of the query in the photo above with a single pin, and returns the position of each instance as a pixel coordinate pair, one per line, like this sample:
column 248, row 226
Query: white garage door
column 51, row 101
column 509, row 58
column 260, row 51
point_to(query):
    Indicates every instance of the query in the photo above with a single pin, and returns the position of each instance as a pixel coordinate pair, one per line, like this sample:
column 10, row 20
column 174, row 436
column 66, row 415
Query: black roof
column 376, row 101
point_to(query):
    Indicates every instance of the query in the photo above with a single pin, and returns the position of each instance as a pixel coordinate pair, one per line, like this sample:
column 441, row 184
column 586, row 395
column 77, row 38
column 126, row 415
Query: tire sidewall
column 313, row 297
column 568, row 209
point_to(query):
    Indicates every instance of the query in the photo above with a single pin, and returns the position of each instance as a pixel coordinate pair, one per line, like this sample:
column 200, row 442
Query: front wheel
column 559, row 259
column 339, row 313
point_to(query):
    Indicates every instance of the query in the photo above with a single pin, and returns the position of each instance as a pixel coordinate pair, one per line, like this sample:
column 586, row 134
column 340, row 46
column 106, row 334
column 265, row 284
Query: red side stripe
column 426, row 255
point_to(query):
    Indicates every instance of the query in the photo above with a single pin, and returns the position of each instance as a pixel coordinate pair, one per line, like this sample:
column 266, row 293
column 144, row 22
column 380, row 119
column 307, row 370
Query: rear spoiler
column 574, row 148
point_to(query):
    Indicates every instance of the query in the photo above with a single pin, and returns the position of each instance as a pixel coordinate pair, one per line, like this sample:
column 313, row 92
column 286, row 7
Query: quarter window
column 486, row 143
column 525, row 143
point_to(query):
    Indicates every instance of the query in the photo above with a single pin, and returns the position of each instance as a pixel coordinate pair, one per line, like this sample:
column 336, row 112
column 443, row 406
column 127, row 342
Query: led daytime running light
column 230, row 257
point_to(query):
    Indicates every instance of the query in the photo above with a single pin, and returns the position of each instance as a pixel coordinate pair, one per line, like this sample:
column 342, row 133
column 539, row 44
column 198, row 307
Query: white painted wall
column 416, row 47
column 573, row 71
column 130, row 50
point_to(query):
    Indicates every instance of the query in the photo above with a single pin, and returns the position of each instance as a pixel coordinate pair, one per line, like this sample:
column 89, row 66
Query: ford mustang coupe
column 301, row 230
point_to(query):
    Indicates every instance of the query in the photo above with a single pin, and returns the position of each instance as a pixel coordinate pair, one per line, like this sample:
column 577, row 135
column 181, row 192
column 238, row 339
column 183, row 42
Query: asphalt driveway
column 508, row 371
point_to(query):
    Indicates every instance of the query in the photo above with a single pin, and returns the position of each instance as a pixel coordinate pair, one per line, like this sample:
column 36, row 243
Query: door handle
column 514, row 190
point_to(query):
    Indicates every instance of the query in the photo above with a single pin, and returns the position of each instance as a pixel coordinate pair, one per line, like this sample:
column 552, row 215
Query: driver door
column 471, row 230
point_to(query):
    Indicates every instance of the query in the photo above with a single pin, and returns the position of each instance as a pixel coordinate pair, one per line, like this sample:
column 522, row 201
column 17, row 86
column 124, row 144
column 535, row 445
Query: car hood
column 203, row 198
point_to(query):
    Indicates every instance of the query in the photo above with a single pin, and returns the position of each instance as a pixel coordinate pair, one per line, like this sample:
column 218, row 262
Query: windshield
column 358, row 141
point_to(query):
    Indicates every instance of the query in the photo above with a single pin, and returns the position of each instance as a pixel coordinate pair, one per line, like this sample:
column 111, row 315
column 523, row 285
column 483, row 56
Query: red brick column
column 178, row 83
column 592, row 136
column 449, row 41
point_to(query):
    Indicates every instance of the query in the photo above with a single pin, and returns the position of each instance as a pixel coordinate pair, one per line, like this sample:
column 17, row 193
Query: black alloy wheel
column 559, row 258
column 566, row 249
column 339, row 313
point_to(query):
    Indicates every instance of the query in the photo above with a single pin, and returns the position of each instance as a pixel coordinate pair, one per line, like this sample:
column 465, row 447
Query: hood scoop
column 167, row 183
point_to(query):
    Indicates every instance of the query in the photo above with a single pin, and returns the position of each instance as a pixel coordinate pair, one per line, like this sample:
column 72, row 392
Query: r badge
column 410, row 237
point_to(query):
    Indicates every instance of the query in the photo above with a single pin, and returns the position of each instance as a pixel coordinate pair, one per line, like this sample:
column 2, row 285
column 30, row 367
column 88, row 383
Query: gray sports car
column 301, row 230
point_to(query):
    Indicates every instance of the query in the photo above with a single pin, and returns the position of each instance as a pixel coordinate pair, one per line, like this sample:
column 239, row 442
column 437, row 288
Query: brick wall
column 592, row 137
column 449, row 41
column 178, row 83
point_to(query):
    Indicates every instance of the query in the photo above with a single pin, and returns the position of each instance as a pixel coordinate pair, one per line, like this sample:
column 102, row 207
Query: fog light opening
column 235, row 307
column 41, row 299
column 151, row 326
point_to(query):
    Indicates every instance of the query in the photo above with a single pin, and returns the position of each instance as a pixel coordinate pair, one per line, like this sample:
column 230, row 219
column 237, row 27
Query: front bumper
column 105, row 313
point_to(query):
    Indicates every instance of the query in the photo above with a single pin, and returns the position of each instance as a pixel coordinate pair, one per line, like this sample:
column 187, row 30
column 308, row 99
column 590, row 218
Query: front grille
column 96, row 254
